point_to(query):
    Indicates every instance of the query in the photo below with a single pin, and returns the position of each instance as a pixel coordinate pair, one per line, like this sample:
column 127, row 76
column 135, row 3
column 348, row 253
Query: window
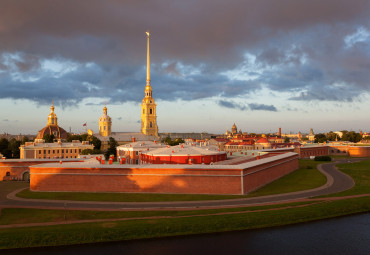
column 62, row 151
column 137, row 153
column 150, row 111
column 44, row 151
column 7, row 173
column 105, row 127
column 39, row 151
column 143, row 111
column 49, row 151
column 150, row 124
column 53, row 151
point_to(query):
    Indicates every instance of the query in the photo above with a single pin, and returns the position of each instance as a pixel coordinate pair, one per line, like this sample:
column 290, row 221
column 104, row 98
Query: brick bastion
column 90, row 176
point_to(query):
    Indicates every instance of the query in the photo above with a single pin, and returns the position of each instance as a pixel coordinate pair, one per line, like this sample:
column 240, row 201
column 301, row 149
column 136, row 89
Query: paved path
column 336, row 182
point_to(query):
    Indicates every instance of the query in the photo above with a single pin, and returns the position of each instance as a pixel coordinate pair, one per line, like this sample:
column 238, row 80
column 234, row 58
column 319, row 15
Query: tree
column 171, row 142
column 4, row 148
column 112, row 144
column 286, row 140
column 95, row 141
column 351, row 136
column 14, row 148
column 331, row 136
column 320, row 138
column 87, row 152
column 367, row 138
column 49, row 138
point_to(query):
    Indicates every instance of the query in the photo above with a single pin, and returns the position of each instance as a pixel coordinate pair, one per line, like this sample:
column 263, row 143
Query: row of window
column 150, row 111
column 62, row 151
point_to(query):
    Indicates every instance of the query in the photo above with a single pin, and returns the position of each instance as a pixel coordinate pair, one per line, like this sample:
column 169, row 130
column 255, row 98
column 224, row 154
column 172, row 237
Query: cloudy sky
column 265, row 64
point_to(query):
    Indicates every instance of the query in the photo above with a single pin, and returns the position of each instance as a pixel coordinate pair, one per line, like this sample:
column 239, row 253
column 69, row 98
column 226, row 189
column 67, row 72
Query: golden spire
column 147, row 61
column 52, row 118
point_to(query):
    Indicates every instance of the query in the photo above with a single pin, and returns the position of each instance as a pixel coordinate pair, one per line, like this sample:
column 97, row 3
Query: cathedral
column 52, row 127
column 148, row 106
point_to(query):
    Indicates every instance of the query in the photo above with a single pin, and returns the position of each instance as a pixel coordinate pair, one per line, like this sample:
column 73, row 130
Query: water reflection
column 347, row 235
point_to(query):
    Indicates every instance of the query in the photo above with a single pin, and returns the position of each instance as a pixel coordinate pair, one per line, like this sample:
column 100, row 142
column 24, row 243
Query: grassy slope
column 306, row 177
column 135, row 229
column 27, row 215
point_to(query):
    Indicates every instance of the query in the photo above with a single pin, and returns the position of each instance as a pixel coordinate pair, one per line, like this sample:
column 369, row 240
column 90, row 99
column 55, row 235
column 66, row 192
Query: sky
column 265, row 64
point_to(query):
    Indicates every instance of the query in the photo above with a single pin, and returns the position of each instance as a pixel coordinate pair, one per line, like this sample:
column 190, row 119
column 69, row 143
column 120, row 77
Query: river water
column 345, row 235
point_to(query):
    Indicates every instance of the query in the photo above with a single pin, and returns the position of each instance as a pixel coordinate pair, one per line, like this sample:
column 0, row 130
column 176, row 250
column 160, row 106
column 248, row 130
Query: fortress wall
column 220, row 179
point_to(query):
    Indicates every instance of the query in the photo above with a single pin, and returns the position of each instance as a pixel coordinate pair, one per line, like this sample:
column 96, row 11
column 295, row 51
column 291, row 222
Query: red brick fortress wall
column 182, row 179
column 261, row 174
column 17, row 167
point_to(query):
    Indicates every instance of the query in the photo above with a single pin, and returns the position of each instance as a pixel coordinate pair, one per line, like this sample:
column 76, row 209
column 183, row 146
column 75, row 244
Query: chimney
column 280, row 132
column 133, row 139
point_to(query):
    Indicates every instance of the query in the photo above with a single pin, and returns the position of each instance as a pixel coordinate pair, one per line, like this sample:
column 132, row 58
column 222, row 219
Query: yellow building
column 105, row 123
column 148, row 106
column 42, row 150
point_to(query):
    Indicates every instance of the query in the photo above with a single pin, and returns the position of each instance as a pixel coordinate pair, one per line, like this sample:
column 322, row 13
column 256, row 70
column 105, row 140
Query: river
column 345, row 235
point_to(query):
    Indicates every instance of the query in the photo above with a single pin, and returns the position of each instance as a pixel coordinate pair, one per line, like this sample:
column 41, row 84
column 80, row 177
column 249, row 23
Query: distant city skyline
column 261, row 64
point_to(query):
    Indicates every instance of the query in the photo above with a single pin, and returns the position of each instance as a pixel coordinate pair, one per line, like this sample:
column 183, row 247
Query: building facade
column 60, row 150
column 148, row 106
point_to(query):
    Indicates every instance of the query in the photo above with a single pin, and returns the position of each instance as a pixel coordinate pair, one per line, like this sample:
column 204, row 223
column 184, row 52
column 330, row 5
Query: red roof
column 262, row 140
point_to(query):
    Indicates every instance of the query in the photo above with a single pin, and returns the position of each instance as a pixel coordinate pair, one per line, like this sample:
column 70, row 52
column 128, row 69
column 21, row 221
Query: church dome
column 58, row 132
column 105, row 117
column 52, row 127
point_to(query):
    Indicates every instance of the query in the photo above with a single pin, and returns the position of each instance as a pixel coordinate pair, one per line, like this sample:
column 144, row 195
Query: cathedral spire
column 147, row 61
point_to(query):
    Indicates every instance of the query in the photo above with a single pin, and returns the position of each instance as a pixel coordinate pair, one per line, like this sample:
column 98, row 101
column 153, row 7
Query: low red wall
column 17, row 168
column 163, row 179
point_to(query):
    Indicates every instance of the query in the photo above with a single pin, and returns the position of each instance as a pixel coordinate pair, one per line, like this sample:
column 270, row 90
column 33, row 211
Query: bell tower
column 52, row 118
column 148, row 106
column 105, row 123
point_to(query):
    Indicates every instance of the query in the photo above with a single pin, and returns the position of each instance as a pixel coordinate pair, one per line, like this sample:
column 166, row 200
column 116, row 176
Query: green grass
column 136, row 229
column 7, row 187
column 306, row 177
column 121, row 197
column 360, row 173
column 27, row 215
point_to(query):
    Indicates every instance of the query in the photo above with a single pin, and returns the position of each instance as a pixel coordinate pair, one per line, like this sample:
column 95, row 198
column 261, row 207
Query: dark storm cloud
column 262, row 107
column 232, row 105
column 299, row 47
column 242, row 107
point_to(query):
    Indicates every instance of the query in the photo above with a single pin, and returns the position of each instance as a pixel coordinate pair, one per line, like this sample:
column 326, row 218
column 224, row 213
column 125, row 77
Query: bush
column 322, row 158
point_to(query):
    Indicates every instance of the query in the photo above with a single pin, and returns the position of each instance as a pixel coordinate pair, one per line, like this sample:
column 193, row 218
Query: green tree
column 49, row 138
column 87, row 152
column 14, row 148
column 171, row 142
column 367, row 138
column 351, row 136
column 331, row 136
column 112, row 144
column 4, row 148
column 320, row 138
column 286, row 140
column 95, row 141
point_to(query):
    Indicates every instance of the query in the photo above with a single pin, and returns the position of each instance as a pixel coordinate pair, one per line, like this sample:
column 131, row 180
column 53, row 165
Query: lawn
column 29, row 215
column 306, row 177
column 149, row 228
